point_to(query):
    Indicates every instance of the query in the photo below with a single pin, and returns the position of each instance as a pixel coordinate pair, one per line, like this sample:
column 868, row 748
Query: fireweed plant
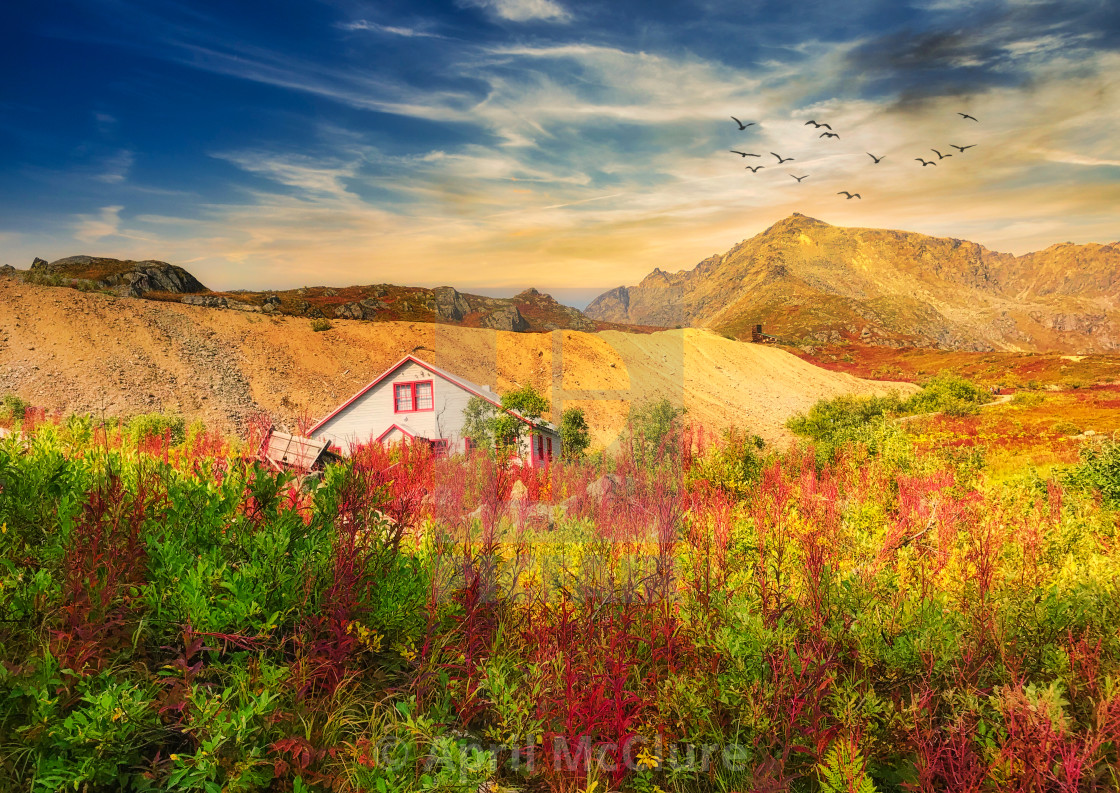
column 707, row 615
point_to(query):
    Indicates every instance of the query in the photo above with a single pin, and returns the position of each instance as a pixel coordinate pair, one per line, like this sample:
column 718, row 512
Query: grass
column 1011, row 370
column 885, row 613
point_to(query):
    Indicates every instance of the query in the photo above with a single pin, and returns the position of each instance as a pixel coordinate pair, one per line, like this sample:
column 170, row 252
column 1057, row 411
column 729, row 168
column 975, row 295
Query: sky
column 568, row 145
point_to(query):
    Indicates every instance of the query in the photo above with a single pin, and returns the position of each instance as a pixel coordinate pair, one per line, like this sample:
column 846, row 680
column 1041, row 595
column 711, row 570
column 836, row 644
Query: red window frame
column 412, row 387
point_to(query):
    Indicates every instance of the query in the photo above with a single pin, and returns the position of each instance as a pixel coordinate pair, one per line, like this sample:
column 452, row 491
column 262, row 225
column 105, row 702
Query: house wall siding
column 371, row 414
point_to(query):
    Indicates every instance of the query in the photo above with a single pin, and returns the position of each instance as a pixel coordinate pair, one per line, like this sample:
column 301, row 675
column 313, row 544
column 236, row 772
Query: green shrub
column 653, row 425
column 321, row 324
column 1066, row 428
column 831, row 419
column 12, row 407
column 1099, row 469
column 1027, row 399
column 734, row 463
column 146, row 425
column 947, row 393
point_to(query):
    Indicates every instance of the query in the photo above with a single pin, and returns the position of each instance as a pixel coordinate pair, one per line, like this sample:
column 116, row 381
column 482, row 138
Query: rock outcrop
column 449, row 304
column 133, row 278
column 508, row 318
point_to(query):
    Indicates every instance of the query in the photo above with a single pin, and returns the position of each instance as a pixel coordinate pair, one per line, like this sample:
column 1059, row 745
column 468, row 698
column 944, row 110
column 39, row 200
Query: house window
column 411, row 397
column 439, row 447
column 469, row 445
column 423, row 393
column 548, row 443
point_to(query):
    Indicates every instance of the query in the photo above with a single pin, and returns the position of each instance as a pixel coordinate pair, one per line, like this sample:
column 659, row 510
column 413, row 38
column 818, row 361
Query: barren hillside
column 76, row 351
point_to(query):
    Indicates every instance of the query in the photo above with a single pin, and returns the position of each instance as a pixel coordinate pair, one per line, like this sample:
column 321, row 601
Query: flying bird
column 940, row 156
column 781, row 159
column 815, row 124
column 742, row 126
column 924, row 163
column 966, row 115
column 755, row 168
column 829, row 135
column 876, row 159
column 799, row 178
column 850, row 195
column 962, row 148
column 744, row 153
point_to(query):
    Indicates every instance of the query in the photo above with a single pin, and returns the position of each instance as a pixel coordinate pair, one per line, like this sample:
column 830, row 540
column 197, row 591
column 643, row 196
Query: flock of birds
column 830, row 134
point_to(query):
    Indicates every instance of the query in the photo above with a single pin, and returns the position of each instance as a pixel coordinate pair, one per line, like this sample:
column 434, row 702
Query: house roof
column 462, row 382
column 283, row 448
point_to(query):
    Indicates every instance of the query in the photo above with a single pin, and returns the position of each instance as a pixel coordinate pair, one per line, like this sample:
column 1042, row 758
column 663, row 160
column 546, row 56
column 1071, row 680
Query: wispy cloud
column 392, row 30
column 1075, row 159
column 115, row 167
column 523, row 10
column 93, row 228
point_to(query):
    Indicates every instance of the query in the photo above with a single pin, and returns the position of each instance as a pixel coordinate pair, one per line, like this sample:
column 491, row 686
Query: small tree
column 500, row 430
column 575, row 436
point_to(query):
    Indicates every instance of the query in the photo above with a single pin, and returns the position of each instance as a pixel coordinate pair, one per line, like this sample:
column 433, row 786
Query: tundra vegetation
column 876, row 607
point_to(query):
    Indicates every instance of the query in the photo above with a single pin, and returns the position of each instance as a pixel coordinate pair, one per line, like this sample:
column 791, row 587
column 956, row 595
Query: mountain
column 529, row 311
column 808, row 281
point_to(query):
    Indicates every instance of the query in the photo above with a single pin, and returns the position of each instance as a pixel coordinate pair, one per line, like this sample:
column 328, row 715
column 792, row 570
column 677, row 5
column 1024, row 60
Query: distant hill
column 529, row 311
column 122, row 276
column 808, row 281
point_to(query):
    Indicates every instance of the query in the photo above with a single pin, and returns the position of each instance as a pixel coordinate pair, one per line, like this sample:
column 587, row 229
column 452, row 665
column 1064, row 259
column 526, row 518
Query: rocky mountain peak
column 808, row 280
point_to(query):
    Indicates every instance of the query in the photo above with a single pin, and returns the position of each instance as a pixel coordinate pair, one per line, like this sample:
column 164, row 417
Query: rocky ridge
column 808, row 281
column 529, row 311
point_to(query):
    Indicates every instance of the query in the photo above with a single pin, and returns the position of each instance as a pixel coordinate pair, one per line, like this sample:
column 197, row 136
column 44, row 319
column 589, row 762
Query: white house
column 417, row 402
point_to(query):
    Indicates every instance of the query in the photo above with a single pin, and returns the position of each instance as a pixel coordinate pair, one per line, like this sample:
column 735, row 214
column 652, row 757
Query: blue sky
column 573, row 146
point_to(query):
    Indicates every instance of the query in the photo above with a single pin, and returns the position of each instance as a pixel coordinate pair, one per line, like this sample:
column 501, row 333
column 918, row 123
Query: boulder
column 518, row 492
column 39, row 264
column 349, row 311
column 207, row 301
column 507, row 318
column 606, row 485
column 371, row 306
column 363, row 309
column 7, row 269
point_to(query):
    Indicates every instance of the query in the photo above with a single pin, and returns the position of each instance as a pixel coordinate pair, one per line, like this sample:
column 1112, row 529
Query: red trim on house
column 394, row 427
column 413, row 386
column 395, row 367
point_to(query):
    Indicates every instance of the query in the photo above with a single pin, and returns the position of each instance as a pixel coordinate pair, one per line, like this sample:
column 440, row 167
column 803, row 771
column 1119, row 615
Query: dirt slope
column 75, row 351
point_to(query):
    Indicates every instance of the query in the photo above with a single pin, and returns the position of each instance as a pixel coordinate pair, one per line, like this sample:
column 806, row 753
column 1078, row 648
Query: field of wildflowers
column 869, row 612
